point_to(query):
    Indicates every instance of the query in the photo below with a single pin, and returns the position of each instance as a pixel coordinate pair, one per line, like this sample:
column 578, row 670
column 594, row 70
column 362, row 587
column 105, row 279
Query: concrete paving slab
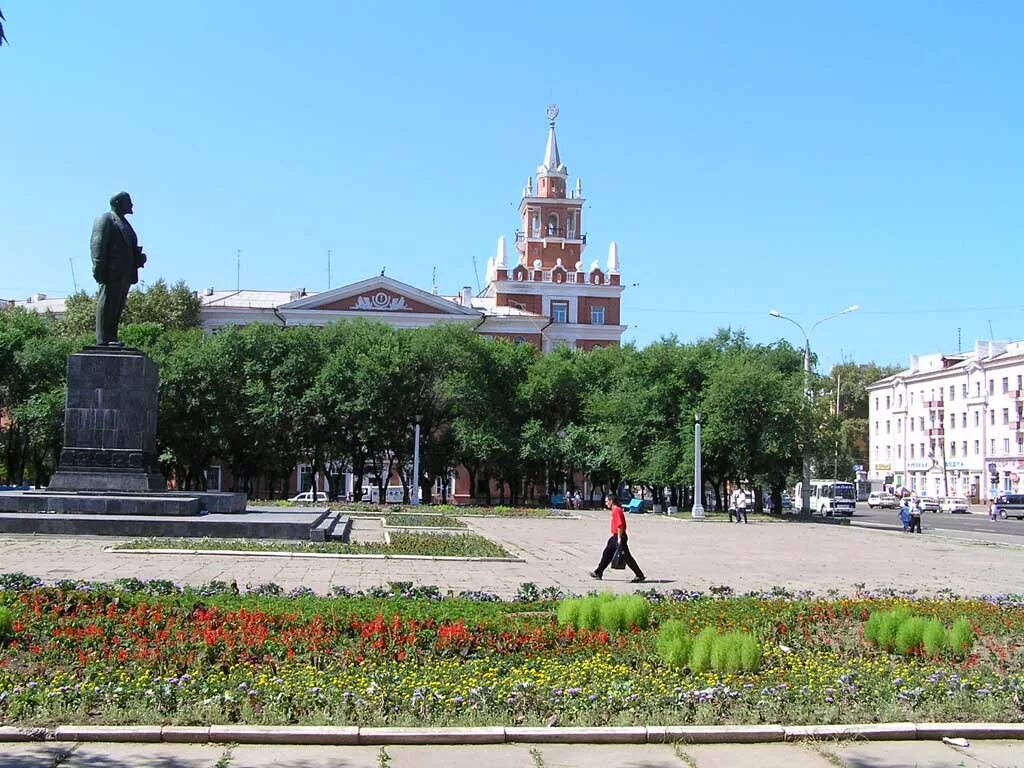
column 108, row 755
column 599, row 756
column 1000, row 754
column 902, row 754
column 754, row 756
column 267, row 756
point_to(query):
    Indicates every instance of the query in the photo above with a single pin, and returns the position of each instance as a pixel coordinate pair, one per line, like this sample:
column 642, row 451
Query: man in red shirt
column 619, row 541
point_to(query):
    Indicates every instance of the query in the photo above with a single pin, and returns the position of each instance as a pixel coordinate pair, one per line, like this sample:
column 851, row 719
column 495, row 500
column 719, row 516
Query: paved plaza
column 674, row 553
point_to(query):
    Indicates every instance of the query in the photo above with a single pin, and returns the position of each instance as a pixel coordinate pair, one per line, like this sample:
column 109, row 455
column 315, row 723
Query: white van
column 830, row 497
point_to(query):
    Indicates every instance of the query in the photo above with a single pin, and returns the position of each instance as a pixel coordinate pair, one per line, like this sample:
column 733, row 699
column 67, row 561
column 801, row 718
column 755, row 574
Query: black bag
column 618, row 562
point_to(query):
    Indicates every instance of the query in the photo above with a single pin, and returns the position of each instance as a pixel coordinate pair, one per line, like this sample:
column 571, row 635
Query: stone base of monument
column 256, row 523
column 155, row 503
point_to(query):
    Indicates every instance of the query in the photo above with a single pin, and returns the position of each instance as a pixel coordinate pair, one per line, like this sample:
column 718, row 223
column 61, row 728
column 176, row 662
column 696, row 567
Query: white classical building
column 950, row 425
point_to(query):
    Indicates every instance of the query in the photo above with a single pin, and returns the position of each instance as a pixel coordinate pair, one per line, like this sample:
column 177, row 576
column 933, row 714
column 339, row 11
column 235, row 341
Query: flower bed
column 401, row 543
column 443, row 509
column 151, row 653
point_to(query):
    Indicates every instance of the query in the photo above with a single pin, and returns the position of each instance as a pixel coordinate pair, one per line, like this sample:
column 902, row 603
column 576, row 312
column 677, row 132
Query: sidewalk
column 825, row 754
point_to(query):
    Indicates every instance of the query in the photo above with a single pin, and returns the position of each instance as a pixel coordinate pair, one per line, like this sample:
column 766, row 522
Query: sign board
column 992, row 467
column 858, row 467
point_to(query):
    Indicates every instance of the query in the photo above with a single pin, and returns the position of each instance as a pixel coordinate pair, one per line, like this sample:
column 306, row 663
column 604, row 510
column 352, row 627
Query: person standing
column 915, row 514
column 617, row 543
column 740, row 502
column 993, row 511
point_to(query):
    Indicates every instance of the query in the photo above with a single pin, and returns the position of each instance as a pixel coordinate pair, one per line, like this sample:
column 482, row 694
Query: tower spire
column 552, row 162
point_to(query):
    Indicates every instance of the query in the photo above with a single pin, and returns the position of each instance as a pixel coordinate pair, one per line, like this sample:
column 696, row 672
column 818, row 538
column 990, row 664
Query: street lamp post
column 805, row 489
column 697, row 513
column 416, row 464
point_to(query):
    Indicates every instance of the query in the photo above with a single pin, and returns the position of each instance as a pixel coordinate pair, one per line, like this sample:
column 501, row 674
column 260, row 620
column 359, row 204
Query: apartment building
column 951, row 425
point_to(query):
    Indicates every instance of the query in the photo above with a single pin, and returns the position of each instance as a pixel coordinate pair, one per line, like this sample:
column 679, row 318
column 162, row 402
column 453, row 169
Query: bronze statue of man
column 116, row 259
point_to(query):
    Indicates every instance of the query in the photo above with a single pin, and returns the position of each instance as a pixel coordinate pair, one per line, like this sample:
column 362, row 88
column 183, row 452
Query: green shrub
column 882, row 627
column 673, row 643
column 934, row 638
column 636, row 611
column 910, row 635
column 725, row 653
column 569, row 612
column 750, row 653
column 960, row 637
column 6, row 624
column 613, row 615
column 589, row 613
column 700, row 652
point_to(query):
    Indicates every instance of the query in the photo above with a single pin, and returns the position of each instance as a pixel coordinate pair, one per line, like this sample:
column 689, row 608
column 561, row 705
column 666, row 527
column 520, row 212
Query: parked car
column 1010, row 505
column 954, row 504
column 928, row 503
column 307, row 496
column 878, row 500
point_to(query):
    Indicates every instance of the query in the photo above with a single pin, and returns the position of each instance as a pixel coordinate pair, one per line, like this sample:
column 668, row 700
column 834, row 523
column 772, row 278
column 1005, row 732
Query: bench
column 635, row 506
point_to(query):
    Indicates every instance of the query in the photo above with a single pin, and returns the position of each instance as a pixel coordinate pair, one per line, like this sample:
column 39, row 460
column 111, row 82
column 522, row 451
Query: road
column 974, row 525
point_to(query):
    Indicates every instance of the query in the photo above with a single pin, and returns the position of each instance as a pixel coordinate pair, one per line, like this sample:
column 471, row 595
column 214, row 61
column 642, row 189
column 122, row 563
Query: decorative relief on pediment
column 381, row 302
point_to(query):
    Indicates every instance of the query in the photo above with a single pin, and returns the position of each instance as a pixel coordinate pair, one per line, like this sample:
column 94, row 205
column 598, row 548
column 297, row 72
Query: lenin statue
column 116, row 259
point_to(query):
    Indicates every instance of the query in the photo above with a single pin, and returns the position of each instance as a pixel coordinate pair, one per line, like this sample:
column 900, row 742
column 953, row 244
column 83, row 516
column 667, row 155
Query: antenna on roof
column 991, row 336
column 433, row 280
column 238, row 270
column 959, row 343
column 74, row 282
column 328, row 269
column 476, row 274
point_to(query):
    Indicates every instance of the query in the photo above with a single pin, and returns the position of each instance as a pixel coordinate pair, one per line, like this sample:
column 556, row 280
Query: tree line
column 346, row 397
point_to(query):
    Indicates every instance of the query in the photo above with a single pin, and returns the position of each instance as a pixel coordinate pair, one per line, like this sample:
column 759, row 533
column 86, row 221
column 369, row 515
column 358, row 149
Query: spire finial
column 552, row 113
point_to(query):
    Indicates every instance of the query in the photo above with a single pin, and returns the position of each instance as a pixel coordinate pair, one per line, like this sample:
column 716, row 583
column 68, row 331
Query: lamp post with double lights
column 697, row 513
column 805, row 489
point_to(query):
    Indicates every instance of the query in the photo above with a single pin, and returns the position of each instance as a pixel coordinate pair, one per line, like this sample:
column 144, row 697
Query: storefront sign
column 919, row 465
column 883, row 467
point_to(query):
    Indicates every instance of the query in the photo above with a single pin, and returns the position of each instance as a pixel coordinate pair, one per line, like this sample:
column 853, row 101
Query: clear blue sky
column 803, row 156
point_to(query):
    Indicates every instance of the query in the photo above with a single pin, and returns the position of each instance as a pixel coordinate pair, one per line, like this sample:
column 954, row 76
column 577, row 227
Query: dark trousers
column 915, row 523
column 741, row 511
column 109, row 306
column 609, row 553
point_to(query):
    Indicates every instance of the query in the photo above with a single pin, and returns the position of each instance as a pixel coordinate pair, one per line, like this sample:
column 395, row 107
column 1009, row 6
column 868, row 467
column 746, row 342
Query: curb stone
column 715, row 734
column 540, row 735
column 312, row 555
column 291, row 734
column 147, row 734
column 353, row 735
column 185, row 734
column 13, row 733
column 431, row 736
column 862, row 732
column 971, row 730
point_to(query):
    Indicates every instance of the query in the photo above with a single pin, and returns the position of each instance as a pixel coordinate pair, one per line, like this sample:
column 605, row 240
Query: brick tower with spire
column 579, row 305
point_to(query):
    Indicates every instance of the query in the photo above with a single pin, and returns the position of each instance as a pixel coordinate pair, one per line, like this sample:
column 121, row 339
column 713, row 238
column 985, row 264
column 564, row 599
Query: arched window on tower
column 535, row 224
column 571, row 226
column 553, row 225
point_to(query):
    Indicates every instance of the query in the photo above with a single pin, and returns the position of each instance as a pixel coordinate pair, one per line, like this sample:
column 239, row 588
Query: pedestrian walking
column 915, row 514
column 905, row 514
column 993, row 511
column 618, row 544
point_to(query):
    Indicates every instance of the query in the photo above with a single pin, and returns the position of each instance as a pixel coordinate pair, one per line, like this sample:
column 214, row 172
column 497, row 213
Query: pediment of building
column 380, row 295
